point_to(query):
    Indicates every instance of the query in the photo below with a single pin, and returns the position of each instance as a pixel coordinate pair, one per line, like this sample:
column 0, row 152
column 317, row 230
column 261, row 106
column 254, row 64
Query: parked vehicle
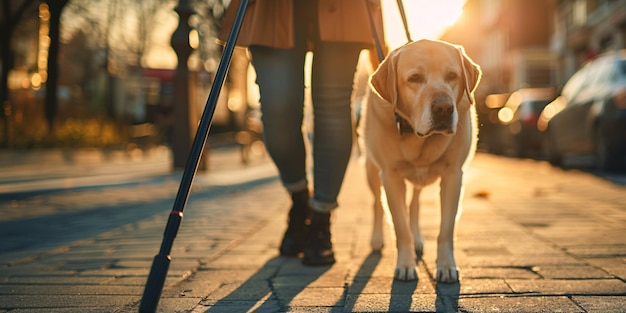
column 519, row 135
column 589, row 118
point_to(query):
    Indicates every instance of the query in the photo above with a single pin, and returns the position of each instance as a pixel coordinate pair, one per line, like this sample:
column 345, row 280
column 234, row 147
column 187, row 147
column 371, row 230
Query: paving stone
column 311, row 297
column 242, row 290
column 499, row 272
column 613, row 266
column 612, row 304
column 51, row 289
column 312, row 310
column 172, row 304
column 268, row 306
column 391, row 303
column 518, row 304
column 571, row 272
column 58, row 279
column 599, row 250
column 96, row 309
column 569, row 287
column 484, row 286
column 328, row 279
column 528, row 261
column 106, row 302
column 380, row 285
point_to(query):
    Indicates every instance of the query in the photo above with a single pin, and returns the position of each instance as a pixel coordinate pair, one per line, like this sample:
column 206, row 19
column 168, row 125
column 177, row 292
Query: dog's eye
column 417, row 78
column 452, row 76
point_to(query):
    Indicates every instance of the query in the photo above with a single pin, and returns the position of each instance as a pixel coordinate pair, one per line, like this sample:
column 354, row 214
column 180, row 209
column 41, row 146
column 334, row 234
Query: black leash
column 161, row 262
column 404, row 127
column 377, row 41
column 404, row 20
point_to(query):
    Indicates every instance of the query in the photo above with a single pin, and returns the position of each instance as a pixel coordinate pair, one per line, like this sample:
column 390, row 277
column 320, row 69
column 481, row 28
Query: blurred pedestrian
column 278, row 34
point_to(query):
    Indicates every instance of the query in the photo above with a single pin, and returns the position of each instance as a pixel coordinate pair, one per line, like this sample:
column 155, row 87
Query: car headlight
column 505, row 115
column 549, row 112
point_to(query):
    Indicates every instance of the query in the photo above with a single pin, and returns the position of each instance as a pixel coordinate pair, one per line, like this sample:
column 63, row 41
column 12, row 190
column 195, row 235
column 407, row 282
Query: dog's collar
column 404, row 127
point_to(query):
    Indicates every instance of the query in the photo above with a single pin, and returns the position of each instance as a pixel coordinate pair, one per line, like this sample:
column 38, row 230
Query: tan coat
column 270, row 22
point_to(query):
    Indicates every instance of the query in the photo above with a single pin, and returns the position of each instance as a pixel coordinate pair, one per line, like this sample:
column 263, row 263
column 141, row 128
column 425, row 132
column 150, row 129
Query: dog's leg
column 414, row 211
column 395, row 189
column 373, row 179
column 451, row 188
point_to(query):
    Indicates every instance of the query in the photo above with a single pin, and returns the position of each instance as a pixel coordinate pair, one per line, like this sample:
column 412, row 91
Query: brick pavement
column 531, row 238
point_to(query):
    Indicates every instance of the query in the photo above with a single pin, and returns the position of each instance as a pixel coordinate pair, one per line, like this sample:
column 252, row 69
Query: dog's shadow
column 402, row 293
column 447, row 300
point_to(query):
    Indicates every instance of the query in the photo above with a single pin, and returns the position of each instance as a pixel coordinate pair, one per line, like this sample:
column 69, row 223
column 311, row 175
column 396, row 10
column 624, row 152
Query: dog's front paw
column 446, row 266
column 405, row 273
column 405, row 268
column 447, row 275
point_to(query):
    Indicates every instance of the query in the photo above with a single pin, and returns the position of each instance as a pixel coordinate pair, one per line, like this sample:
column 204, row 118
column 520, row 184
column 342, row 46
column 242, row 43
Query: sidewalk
column 531, row 238
column 56, row 170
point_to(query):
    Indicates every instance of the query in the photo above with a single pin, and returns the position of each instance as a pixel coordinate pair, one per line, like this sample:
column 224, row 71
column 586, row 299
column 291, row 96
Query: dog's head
column 428, row 83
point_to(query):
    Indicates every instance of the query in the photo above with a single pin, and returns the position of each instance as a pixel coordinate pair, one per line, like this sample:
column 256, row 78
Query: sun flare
column 427, row 19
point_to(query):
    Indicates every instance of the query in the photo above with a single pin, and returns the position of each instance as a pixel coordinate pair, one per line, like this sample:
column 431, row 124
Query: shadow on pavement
column 402, row 295
column 402, row 292
column 270, row 289
column 447, row 298
column 52, row 230
column 363, row 276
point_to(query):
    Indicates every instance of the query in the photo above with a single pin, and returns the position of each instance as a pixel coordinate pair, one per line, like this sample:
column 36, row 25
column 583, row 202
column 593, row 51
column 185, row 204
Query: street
column 531, row 238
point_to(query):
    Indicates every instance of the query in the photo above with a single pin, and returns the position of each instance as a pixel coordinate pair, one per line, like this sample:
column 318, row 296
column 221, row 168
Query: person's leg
column 333, row 71
column 280, row 76
column 334, row 65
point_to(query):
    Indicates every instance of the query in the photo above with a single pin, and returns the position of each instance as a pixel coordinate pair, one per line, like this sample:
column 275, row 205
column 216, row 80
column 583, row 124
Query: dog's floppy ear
column 471, row 74
column 383, row 80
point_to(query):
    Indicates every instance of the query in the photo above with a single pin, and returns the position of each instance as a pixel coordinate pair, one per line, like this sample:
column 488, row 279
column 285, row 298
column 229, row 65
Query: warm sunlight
column 426, row 18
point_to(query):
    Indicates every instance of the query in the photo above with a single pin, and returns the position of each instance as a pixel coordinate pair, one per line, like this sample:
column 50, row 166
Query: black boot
column 319, row 248
column 297, row 229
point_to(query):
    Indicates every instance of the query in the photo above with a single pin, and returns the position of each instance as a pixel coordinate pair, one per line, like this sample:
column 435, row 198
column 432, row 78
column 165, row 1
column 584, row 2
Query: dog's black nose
column 442, row 111
column 442, row 108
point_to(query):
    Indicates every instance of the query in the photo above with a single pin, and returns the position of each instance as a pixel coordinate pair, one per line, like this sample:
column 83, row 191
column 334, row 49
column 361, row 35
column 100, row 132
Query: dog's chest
column 422, row 160
column 420, row 176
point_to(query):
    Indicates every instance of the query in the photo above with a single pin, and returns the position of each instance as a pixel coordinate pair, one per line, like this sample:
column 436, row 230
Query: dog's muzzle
column 442, row 115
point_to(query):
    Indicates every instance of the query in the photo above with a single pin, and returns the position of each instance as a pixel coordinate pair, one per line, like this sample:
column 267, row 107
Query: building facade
column 536, row 43
column 510, row 40
column 585, row 28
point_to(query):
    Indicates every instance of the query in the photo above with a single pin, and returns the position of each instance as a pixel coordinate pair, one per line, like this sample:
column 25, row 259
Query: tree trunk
column 51, row 102
column 5, row 106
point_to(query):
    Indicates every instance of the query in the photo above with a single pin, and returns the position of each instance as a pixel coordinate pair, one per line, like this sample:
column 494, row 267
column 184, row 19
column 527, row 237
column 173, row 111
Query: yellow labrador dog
column 419, row 128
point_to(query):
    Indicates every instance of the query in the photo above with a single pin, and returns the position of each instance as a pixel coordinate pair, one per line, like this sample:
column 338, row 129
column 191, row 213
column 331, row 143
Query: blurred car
column 589, row 118
column 519, row 135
